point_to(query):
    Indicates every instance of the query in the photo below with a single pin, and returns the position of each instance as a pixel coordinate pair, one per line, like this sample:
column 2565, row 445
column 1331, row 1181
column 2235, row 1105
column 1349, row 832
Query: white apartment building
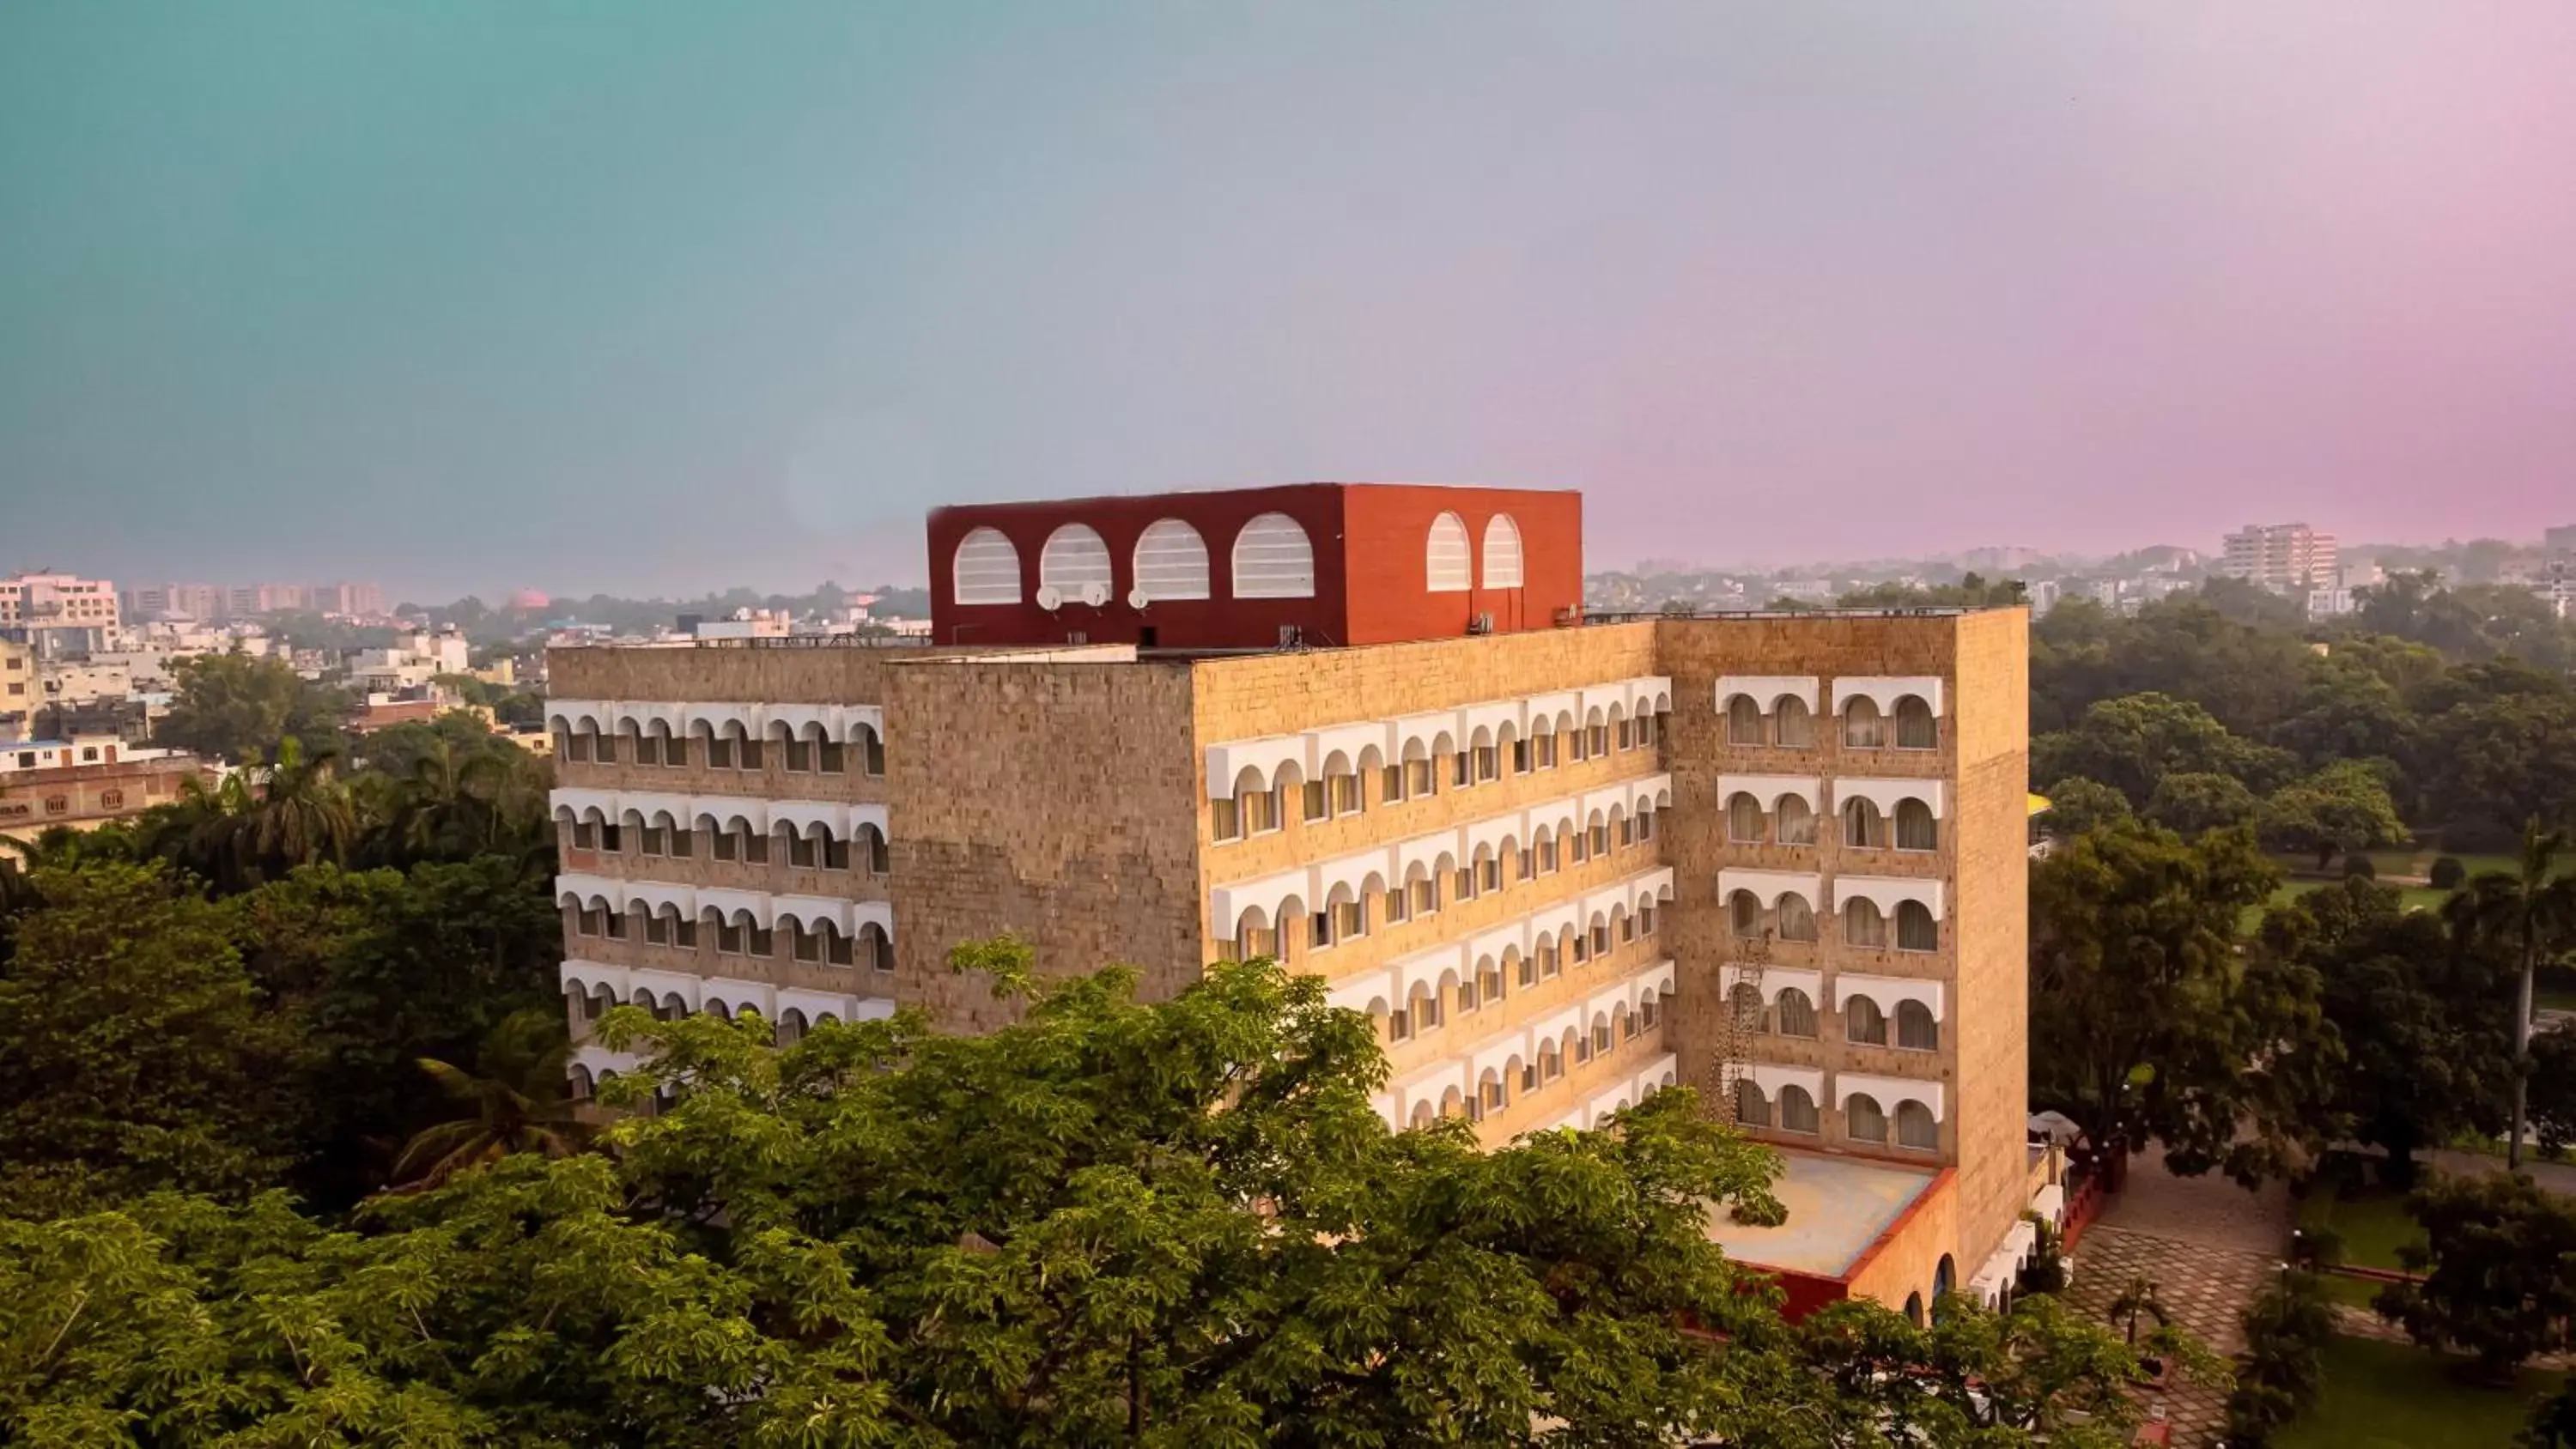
column 2287, row 557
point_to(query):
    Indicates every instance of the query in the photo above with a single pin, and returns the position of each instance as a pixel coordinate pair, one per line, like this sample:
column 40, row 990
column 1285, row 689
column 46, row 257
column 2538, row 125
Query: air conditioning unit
column 1291, row 636
column 1480, row 623
column 1567, row 616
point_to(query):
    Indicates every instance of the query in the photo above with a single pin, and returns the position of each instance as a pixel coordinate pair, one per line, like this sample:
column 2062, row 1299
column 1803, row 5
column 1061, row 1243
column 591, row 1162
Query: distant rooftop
column 1838, row 1207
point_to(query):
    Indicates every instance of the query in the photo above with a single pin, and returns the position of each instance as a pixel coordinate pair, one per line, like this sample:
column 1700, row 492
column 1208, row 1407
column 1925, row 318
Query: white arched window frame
column 1073, row 560
column 1171, row 562
column 986, row 568
column 1502, row 563
column 1273, row 559
column 1448, row 565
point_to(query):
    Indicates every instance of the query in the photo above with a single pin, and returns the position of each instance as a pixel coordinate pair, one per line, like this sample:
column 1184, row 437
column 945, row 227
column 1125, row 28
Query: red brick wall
column 1212, row 623
column 1390, row 528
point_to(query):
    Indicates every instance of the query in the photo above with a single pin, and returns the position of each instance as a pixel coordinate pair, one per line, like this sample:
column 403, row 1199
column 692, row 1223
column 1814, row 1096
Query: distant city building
column 411, row 662
column 2105, row 592
column 203, row 602
column 2559, row 540
column 84, row 782
column 82, row 680
column 2043, row 597
column 363, row 601
column 17, row 678
column 249, row 600
column 2287, row 557
column 58, row 614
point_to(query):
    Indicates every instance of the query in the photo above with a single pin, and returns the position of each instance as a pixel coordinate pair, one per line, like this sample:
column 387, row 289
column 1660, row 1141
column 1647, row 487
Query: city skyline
column 709, row 297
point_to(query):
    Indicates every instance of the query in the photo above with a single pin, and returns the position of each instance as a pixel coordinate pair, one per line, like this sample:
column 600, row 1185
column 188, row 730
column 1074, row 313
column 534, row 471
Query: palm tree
column 2533, row 914
column 2136, row 1301
column 304, row 813
column 519, row 1104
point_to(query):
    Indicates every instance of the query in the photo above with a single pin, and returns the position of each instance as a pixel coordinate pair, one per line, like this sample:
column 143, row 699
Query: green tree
column 303, row 814
column 2422, row 1012
column 2076, row 805
column 2343, row 807
column 2286, row 1328
column 518, row 1104
column 377, row 969
column 2492, row 763
column 2531, row 913
column 2192, row 803
column 2499, row 1270
column 2146, row 1021
column 238, row 707
column 137, row 1052
column 2134, row 741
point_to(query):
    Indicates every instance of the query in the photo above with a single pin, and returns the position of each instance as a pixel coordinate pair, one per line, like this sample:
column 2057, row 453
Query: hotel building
column 1364, row 728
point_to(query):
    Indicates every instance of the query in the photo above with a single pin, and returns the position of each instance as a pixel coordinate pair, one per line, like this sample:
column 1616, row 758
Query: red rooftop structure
column 1258, row 568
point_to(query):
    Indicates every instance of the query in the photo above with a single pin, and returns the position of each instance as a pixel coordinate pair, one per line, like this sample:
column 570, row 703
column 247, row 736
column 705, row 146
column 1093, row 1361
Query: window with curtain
column 1743, row 721
column 1794, row 723
column 1864, row 728
column 1915, row 827
column 1863, row 923
column 1863, row 827
column 1796, row 919
column 1743, row 819
column 1916, row 1030
column 1750, row 1108
column 1797, row 821
column 1795, row 1013
column 1915, row 928
column 1798, row 1111
column 1916, row 727
column 1916, row 1128
column 1863, row 1022
column 1746, row 913
column 1864, row 1120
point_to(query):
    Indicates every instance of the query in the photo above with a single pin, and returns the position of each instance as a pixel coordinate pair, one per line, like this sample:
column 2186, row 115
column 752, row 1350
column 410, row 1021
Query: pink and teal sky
column 662, row 296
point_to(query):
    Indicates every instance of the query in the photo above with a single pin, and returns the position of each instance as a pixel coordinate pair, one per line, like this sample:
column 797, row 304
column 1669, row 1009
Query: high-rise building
column 2288, row 557
column 365, row 601
column 1561, row 864
column 58, row 614
column 2559, row 540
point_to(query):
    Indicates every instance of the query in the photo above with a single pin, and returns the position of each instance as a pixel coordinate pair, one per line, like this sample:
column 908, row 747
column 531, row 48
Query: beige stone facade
column 1522, row 854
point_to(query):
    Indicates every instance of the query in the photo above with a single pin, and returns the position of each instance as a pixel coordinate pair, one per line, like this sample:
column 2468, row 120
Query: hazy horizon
column 659, row 298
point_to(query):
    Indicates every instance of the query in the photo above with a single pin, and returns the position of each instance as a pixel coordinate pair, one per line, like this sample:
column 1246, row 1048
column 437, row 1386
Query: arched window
column 1795, row 1013
column 1915, row 827
column 1796, row 920
column 1864, row 828
column 1945, row 1281
column 1914, row 1309
column 1795, row 722
column 1864, row 1022
column 1445, row 560
column 1916, row 729
column 1743, row 819
column 579, row 1076
column 1745, row 910
column 1864, row 728
column 1073, row 560
column 1798, row 1111
column 1864, row 1120
column 1864, row 924
column 1171, row 561
column 1916, row 1128
column 1743, row 721
column 791, row 1027
column 1915, row 928
column 1746, row 999
column 1750, row 1109
column 1797, row 821
column 1502, row 552
column 986, row 569
column 1273, row 559
column 1916, row 1030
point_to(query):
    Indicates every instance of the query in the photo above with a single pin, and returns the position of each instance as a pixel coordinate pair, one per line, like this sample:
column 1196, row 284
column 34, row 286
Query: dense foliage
column 2499, row 1270
column 1179, row 1223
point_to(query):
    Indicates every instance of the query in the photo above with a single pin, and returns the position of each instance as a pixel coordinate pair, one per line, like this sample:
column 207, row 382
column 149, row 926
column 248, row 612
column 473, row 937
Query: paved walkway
column 2209, row 1245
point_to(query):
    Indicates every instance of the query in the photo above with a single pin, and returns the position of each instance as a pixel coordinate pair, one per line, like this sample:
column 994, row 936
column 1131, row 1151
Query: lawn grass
column 2356, row 1291
column 2370, row 1218
column 2393, row 1396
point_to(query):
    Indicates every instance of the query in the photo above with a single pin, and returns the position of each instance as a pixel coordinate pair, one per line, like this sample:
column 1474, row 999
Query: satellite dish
column 1050, row 598
column 1095, row 593
column 1137, row 598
